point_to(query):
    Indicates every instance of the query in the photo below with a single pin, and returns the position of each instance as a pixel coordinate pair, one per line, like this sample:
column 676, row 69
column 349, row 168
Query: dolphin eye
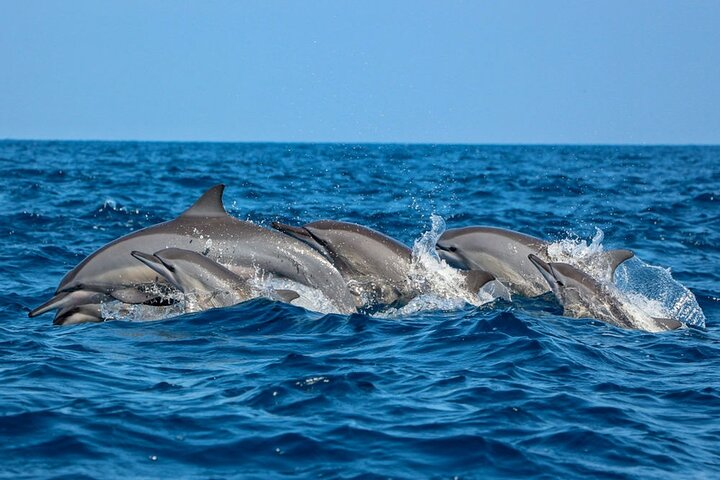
column 453, row 249
column 560, row 283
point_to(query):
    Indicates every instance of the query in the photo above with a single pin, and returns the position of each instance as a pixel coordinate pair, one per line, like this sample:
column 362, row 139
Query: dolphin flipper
column 476, row 279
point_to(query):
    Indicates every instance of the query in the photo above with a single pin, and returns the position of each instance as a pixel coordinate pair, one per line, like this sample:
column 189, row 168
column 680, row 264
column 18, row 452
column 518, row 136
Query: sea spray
column 441, row 287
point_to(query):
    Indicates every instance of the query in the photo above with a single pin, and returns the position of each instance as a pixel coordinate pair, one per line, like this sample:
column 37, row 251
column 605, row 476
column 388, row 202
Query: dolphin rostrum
column 583, row 296
column 205, row 283
column 206, row 228
column 504, row 253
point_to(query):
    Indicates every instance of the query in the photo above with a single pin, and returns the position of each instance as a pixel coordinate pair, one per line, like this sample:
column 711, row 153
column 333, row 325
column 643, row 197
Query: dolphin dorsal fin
column 209, row 205
column 616, row 257
column 476, row 279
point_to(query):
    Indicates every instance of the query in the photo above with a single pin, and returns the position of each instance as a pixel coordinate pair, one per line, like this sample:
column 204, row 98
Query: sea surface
column 444, row 389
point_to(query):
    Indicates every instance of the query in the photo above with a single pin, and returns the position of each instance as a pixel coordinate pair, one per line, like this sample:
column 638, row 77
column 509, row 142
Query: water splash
column 655, row 289
column 441, row 287
column 310, row 298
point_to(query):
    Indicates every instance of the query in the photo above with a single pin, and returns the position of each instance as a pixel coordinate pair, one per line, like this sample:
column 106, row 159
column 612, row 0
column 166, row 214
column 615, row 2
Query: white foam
column 441, row 287
column 117, row 310
column 310, row 298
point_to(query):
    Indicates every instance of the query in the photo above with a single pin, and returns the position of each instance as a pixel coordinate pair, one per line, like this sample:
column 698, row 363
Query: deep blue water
column 266, row 389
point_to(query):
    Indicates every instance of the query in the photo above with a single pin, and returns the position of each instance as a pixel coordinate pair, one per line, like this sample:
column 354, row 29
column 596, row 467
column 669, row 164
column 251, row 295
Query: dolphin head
column 190, row 271
column 550, row 273
column 175, row 266
column 450, row 248
column 562, row 276
column 575, row 290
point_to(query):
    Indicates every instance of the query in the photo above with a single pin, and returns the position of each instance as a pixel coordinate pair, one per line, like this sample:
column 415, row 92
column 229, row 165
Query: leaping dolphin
column 206, row 228
column 583, row 296
column 504, row 253
column 372, row 263
column 205, row 283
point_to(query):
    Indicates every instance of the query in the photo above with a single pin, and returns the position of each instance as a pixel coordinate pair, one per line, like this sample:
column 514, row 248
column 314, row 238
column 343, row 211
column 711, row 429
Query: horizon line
column 337, row 142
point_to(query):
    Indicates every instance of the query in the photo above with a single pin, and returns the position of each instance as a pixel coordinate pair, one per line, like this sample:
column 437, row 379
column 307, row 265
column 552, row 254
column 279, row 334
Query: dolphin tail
column 56, row 301
column 476, row 279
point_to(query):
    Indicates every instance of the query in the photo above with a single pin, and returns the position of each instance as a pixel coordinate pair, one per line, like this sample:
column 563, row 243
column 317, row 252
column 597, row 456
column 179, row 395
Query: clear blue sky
column 388, row 71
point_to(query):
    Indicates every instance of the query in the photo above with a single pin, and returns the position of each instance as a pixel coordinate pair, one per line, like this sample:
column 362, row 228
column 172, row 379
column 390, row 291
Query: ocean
column 438, row 389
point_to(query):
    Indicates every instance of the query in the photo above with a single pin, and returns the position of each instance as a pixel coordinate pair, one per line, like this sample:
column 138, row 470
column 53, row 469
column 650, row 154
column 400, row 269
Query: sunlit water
column 448, row 385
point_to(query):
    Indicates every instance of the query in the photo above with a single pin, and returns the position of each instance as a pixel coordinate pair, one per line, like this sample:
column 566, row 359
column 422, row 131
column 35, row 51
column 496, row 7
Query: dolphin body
column 205, row 283
column 583, row 296
column 112, row 273
column 375, row 265
column 504, row 253
column 371, row 262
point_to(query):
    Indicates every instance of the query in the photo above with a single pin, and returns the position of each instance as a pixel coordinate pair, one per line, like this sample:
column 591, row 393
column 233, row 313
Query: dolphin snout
column 154, row 261
column 146, row 258
column 290, row 229
column 539, row 263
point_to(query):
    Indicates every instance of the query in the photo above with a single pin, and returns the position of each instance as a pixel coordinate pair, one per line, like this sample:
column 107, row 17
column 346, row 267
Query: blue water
column 266, row 389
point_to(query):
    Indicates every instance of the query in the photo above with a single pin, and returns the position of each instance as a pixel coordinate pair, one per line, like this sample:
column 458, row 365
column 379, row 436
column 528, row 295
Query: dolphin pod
column 210, row 258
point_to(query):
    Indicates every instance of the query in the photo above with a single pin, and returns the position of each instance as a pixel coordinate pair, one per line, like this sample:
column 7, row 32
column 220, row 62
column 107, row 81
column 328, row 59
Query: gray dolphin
column 504, row 253
column 205, row 283
column 371, row 262
column 583, row 296
column 207, row 228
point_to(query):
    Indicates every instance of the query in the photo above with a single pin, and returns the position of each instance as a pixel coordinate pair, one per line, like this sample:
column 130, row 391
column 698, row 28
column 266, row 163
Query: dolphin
column 504, row 253
column 372, row 263
column 205, row 228
column 583, row 296
column 205, row 283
